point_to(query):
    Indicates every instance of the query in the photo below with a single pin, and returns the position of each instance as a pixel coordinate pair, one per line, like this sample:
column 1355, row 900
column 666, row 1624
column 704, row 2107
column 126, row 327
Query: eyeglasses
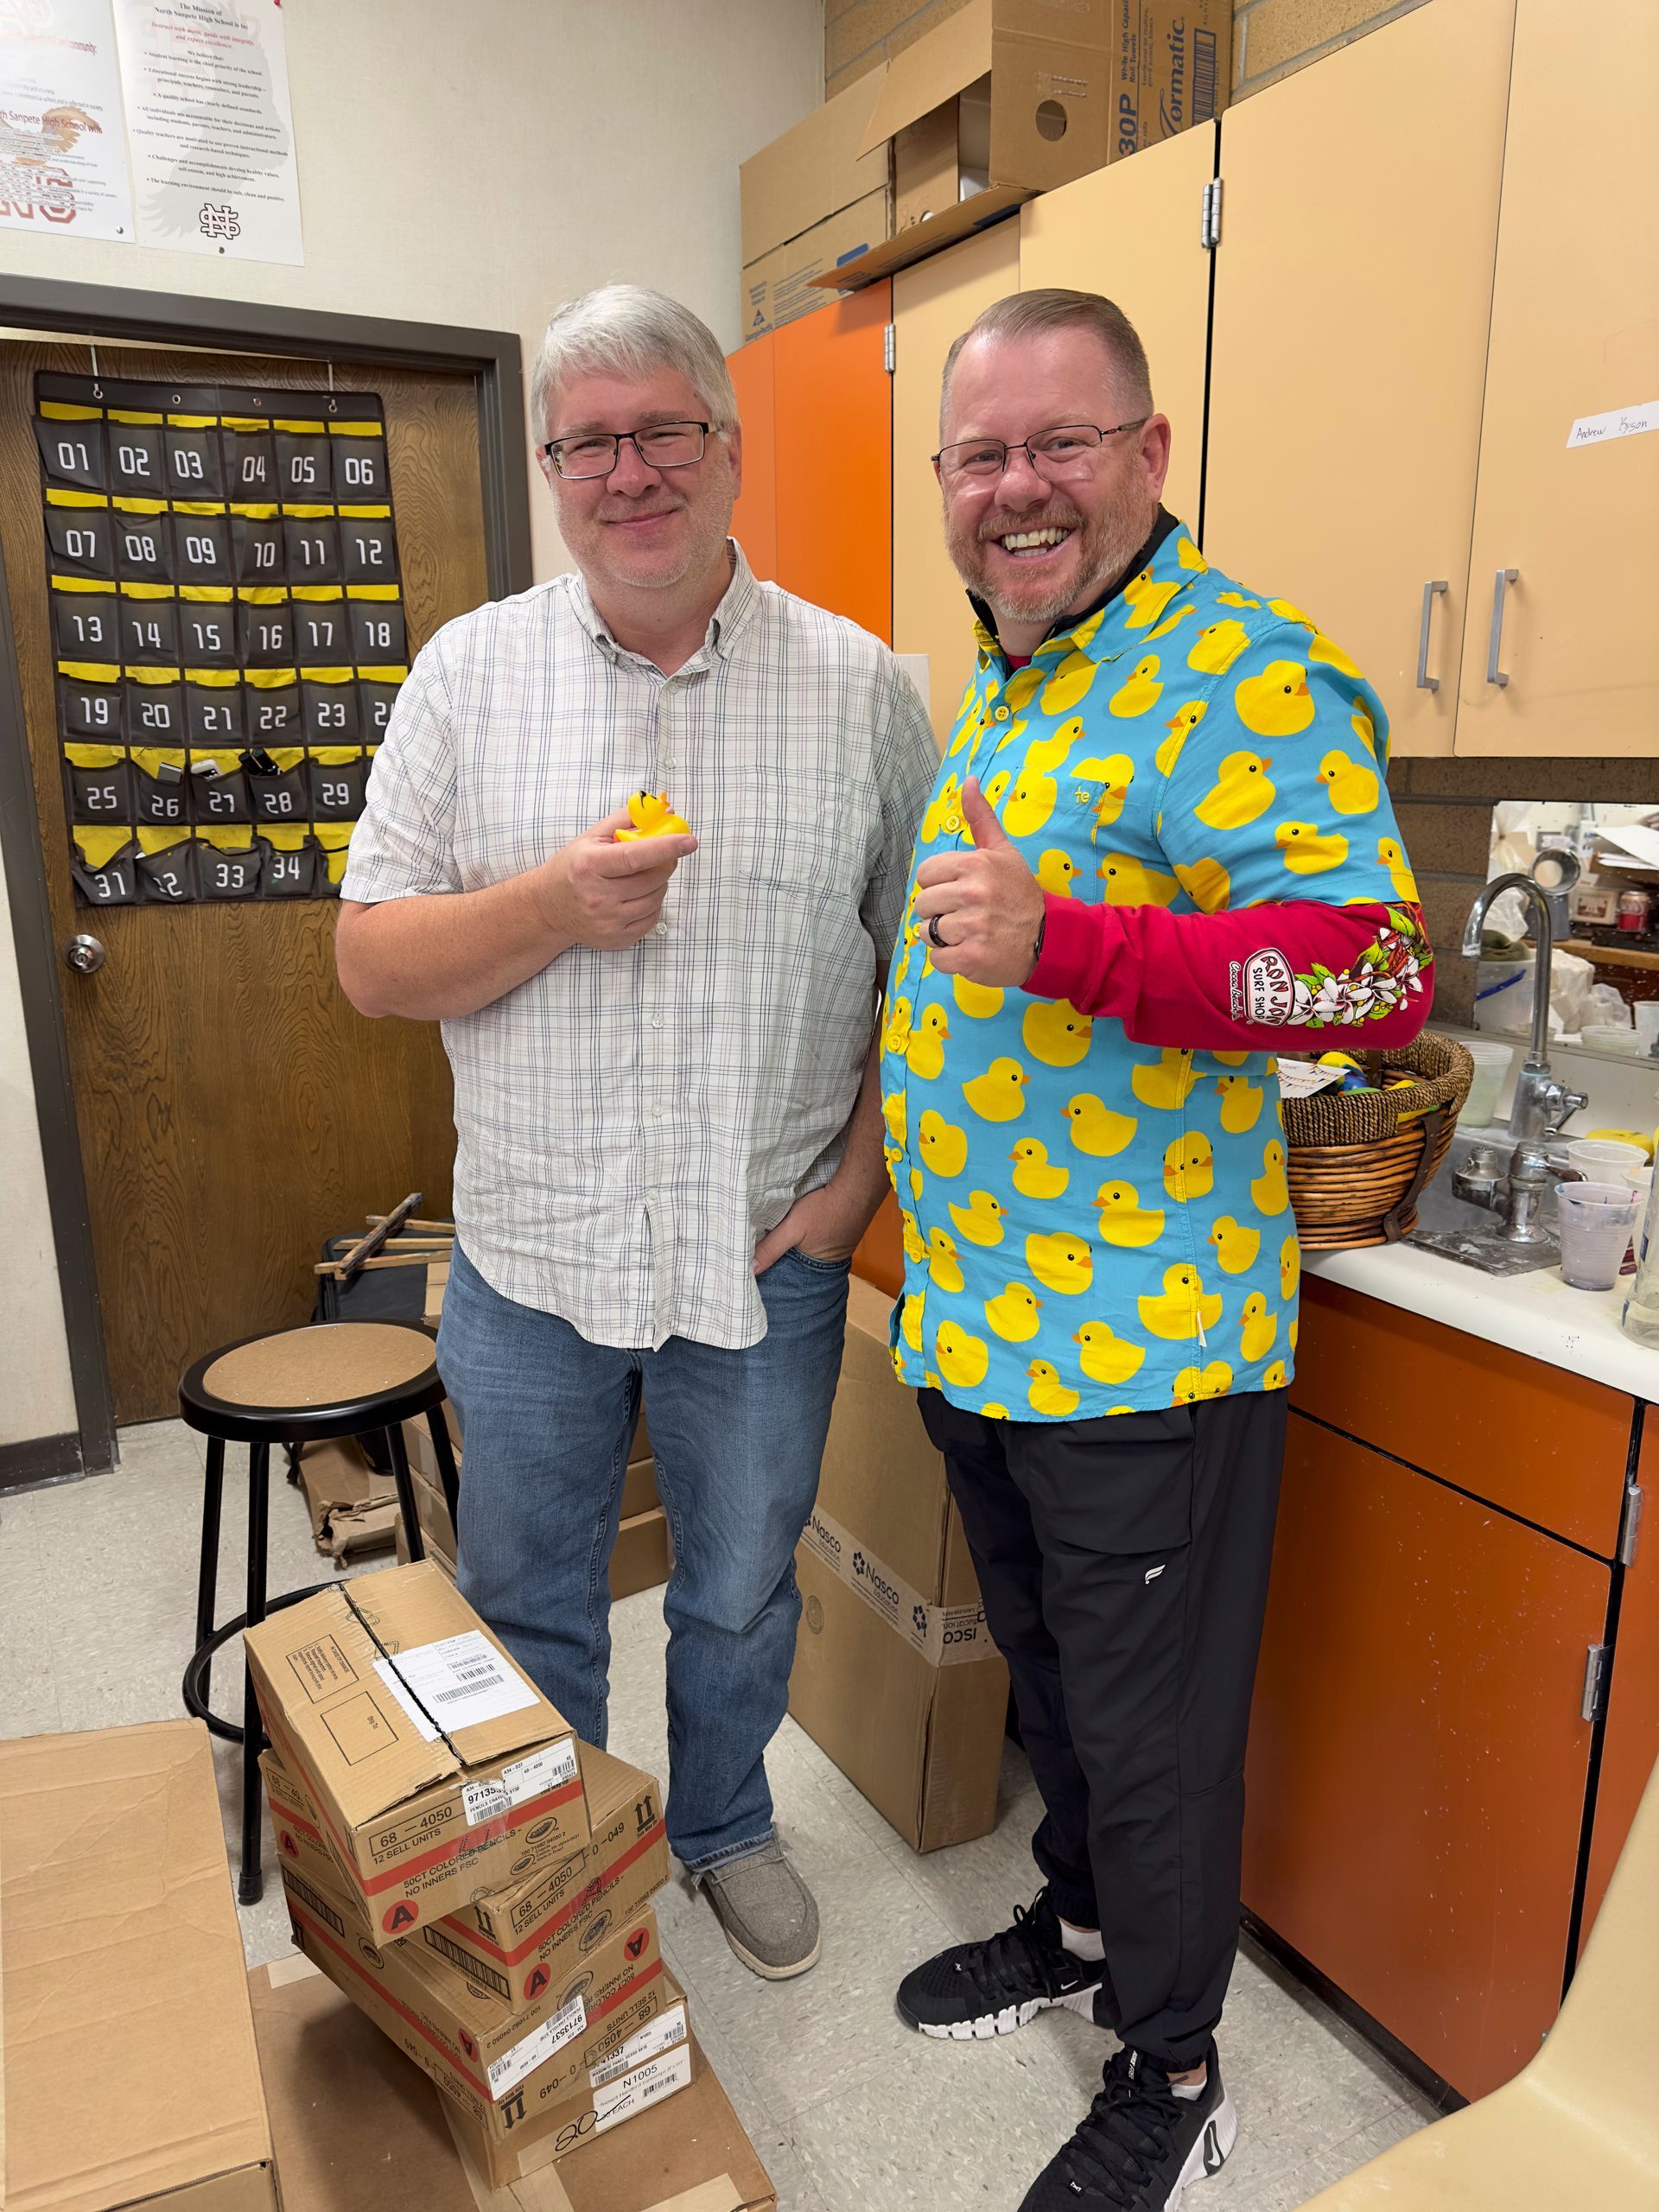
column 1067, row 451
column 664, row 445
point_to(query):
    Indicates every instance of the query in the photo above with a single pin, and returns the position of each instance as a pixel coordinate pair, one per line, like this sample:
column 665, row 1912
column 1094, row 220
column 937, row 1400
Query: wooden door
column 754, row 519
column 932, row 304
column 232, row 1109
column 1132, row 232
column 1631, row 1746
column 1575, row 338
column 832, row 409
column 1417, row 1761
column 1353, row 286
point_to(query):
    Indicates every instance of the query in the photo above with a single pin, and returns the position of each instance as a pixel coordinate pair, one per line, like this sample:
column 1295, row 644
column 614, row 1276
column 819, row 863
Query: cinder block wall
column 1270, row 37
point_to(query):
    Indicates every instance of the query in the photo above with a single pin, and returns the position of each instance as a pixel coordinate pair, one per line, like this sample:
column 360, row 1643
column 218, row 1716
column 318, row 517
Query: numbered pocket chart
column 227, row 631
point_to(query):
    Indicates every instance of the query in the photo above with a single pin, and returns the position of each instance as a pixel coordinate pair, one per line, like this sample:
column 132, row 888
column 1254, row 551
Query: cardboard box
column 656, row 2062
column 503, row 2065
column 642, row 1556
column 128, row 2071
column 895, row 1673
column 1173, row 67
column 780, row 288
column 336, row 2087
column 348, row 1498
column 423, row 1819
column 553, row 1917
column 1005, row 98
column 639, row 1485
column 812, row 172
column 437, row 1279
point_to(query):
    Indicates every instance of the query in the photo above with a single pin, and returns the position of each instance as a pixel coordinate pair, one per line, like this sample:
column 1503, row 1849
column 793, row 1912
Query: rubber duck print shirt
column 1090, row 1169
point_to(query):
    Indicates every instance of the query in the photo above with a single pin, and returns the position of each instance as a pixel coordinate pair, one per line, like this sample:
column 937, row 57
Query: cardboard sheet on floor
column 128, row 2073
column 357, row 2128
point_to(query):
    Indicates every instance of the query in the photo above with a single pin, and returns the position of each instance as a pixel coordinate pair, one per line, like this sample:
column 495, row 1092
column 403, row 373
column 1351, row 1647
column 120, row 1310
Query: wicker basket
column 1356, row 1174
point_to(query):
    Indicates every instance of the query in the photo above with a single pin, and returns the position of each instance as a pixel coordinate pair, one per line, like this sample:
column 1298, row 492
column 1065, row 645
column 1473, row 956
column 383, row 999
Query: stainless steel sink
column 1449, row 1225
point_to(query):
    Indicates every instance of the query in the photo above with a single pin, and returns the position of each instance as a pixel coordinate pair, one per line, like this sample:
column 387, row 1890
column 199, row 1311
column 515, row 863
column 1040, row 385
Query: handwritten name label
column 1617, row 422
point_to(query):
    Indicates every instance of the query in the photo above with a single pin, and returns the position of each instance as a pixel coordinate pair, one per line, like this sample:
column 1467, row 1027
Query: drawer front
column 1534, row 1439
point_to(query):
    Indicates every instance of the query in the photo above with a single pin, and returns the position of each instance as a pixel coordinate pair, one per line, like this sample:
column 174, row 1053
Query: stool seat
column 327, row 1379
column 291, row 1387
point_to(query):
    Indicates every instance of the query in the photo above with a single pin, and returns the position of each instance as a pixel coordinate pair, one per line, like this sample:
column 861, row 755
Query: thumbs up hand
column 979, row 908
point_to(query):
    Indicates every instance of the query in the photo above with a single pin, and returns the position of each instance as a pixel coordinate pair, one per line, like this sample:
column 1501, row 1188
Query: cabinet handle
column 1494, row 673
column 1424, row 680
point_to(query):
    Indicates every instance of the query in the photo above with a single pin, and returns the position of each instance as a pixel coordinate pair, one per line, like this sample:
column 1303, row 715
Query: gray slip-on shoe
column 766, row 1911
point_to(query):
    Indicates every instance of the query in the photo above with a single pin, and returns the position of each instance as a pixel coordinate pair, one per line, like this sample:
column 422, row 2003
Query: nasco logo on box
column 863, row 1572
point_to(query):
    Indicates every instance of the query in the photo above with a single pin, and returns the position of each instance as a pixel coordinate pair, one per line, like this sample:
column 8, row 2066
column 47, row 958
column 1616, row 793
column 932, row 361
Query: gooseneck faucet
column 1541, row 1103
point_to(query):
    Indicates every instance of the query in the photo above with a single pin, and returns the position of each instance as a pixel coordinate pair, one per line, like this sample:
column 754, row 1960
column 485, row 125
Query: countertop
column 1536, row 1315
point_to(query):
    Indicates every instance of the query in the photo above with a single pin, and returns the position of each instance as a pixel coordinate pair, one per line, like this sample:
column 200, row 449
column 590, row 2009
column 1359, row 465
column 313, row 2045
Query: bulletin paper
column 63, row 152
column 210, row 128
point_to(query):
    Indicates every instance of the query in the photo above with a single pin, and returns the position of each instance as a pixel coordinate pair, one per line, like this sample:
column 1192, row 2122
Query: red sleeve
column 1248, row 978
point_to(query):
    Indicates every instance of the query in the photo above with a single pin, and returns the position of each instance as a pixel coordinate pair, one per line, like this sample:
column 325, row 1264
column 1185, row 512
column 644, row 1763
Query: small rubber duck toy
column 652, row 816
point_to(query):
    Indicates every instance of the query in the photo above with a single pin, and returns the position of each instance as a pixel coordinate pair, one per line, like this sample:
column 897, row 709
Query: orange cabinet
column 816, row 511
column 1418, row 1757
column 1630, row 1744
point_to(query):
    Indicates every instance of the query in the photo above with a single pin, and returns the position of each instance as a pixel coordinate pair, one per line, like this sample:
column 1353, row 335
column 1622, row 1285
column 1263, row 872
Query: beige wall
column 1270, row 37
column 470, row 167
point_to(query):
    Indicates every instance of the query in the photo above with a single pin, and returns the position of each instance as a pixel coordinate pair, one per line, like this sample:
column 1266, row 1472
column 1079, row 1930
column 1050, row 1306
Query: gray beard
column 1110, row 544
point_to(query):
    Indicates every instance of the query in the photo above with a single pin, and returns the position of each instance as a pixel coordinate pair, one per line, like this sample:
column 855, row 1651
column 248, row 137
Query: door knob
column 84, row 955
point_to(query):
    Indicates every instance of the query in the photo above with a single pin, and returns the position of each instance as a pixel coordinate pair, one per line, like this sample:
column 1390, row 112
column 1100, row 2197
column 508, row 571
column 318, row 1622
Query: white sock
column 1081, row 1942
column 1191, row 2091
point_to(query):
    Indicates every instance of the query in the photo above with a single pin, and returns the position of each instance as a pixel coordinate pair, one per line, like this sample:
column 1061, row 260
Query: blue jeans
column 547, row 1418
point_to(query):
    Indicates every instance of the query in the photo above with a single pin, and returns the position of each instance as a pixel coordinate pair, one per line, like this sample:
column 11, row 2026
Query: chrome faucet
column 1518, row 1196
column 1542, row 1103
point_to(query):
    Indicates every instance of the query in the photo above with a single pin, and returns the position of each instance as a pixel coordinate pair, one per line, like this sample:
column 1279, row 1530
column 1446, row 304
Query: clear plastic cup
column 1603, row 1160
column 1597, row 1222
column 1492, row 1060
column 1645, row 1015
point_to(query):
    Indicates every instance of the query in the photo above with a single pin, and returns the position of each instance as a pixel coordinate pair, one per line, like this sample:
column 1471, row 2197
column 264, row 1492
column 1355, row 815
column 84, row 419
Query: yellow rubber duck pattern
column 1094, row 1226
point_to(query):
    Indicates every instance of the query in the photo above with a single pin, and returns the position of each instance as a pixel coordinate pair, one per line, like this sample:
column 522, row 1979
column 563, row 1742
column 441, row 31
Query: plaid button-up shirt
column 631, row 1124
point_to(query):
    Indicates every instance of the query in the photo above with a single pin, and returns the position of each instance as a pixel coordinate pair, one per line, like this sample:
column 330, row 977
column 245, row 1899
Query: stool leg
column 250, row 1886
column 212, row 1490
column 448, row 1473
column 394, row 1435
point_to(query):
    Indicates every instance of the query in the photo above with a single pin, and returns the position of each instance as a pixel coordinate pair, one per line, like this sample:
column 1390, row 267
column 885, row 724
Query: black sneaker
column 1141, row 2144
column 993, row 1988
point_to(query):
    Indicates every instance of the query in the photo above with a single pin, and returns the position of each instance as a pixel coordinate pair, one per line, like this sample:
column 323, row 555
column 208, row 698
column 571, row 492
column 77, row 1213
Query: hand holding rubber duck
column 982, row 907
column 604, row 889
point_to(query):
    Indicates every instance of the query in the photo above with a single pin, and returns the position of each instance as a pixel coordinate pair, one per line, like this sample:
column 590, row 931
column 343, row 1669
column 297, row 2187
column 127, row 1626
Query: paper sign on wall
column 1617, row 422
column 63, row 148
column 210, row 127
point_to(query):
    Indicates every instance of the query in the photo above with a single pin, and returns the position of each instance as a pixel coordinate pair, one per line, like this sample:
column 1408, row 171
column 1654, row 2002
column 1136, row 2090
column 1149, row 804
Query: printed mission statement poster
column 210, row 130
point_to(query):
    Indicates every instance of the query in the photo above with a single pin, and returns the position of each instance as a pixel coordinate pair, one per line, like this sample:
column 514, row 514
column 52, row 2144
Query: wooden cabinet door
column 932, row 304
column 233, row 1109
column 1353, row 286
column 754, row 519
column 1417, row 1760
column 1630, row 1746
column 1574, row 334
column 1132, row 232
column 833, row 409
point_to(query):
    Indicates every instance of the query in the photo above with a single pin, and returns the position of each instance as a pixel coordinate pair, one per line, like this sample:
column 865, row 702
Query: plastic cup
column 1611, row 1037
column 1491, row 1061
column 1597, row 1222
column 1603, row 1160
column 1645, row 1015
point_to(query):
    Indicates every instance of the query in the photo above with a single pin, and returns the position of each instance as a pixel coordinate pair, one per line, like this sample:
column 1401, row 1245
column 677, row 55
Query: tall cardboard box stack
column 895, row 1673
column 642, row 1556
column 811, row 201
column 475, row 1882
column 128, row 2070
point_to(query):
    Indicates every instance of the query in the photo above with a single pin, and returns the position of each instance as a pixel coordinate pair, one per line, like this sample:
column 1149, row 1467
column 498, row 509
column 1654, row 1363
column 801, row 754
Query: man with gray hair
column 639, row 838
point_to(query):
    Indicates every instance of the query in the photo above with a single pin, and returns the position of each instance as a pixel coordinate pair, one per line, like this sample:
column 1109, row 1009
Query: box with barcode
column 503, row 2066
column 434, row 1764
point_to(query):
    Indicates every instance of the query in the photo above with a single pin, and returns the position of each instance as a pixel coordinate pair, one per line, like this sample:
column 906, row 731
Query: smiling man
column 1159, row 846
column 669, row 1134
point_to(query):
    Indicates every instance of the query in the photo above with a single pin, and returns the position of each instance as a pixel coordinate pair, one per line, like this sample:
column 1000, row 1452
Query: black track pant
column 1124, row 1564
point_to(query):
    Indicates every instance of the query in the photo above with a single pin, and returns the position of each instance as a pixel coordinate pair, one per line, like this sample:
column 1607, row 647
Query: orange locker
column 754, row 521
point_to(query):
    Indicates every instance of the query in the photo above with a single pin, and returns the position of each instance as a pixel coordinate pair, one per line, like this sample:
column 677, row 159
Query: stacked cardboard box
column 472, row 1881
column 895, row 1673
column 128, row 2071
column 811, row 199
column 642, row 1556
column 354, row 1507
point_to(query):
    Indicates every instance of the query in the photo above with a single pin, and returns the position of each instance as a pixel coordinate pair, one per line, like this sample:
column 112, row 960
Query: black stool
column 295, row 1387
